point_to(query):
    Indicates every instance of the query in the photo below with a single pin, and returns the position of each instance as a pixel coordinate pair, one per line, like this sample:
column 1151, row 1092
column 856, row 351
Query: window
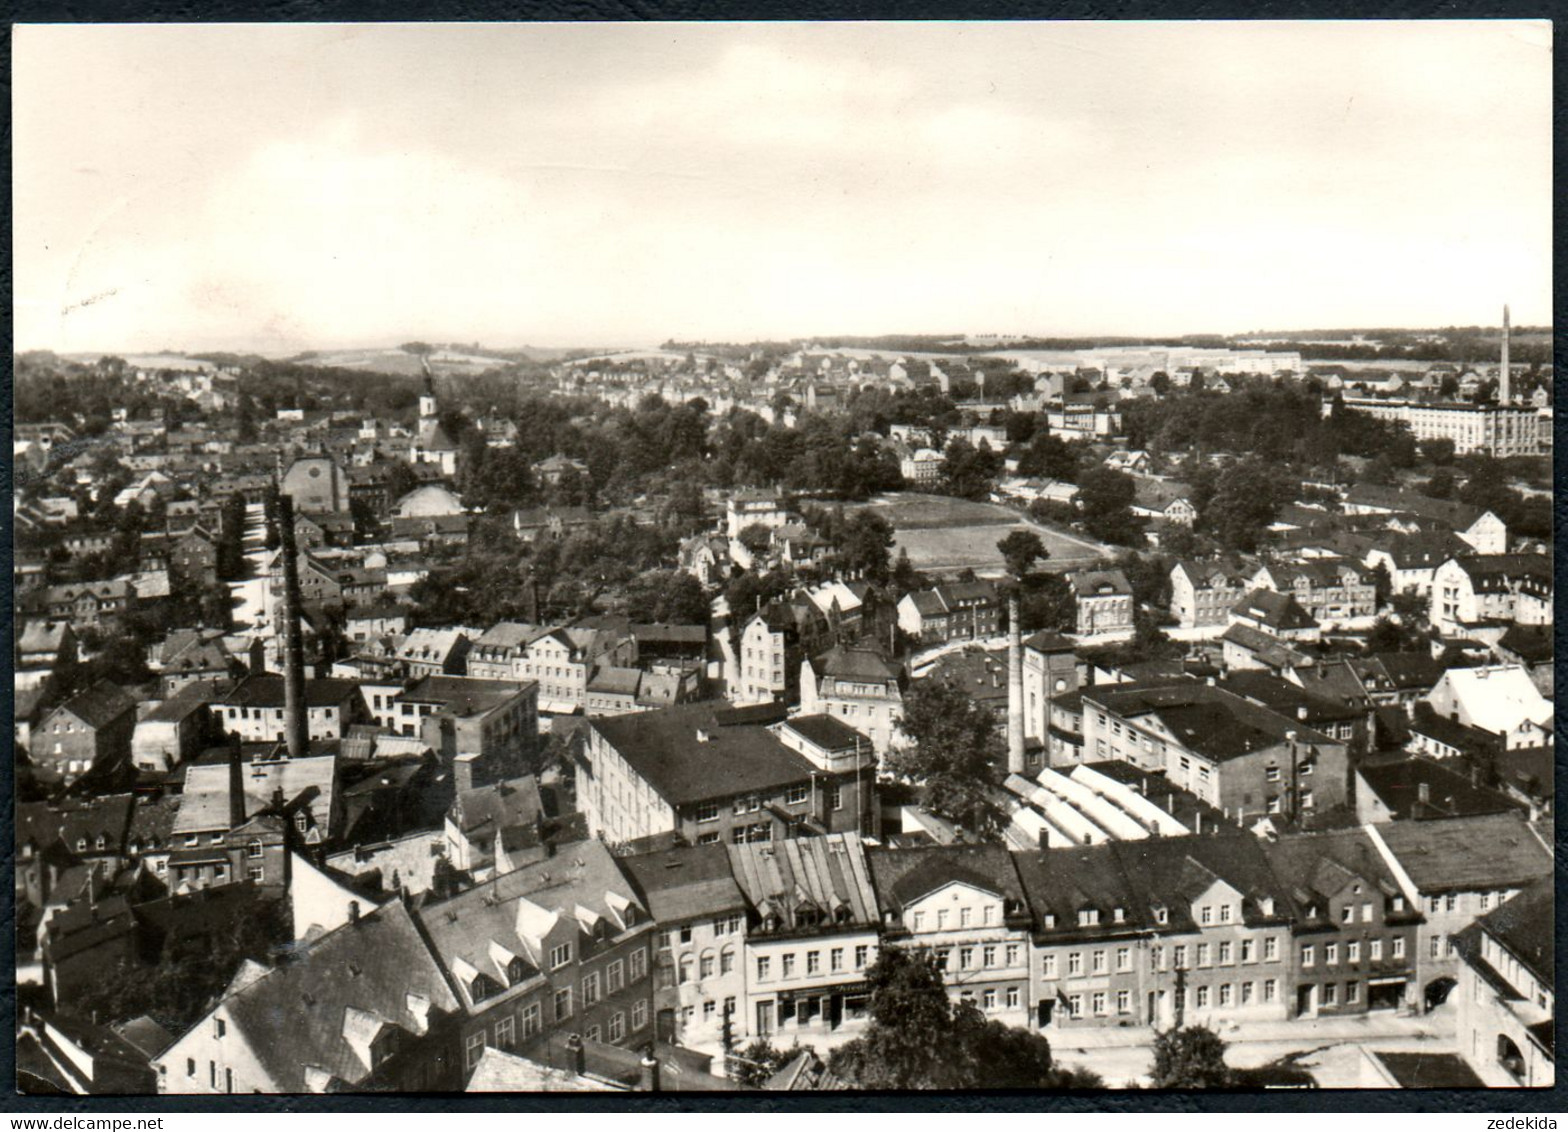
column 1206, row 915
column 639, row 1014
column 941, row 919
column 617, row 1026
column 1225, row 911
column 1330, row 954
column 1366, row 913
column 1271, row 773
column 862, row 955
column 1451, row 902
column 813, row 962
column 1179, row 956
column 1248, row 946
column 593, row 1033
column 1225, row 994
column 966, row 958
column 614, row 977
column 764, row 968
column 1088, row 918
column 1162, row 916
column 1075, row 1005
column 988, row 999
column 474, row 1049
column 1352, row 992
column 563, row 1003
column 920, row 922
column 1347, row 914
column 506, row 1033
column 1270, row 949
column 1246, row 993
column 1486, row 901
column 836, row 959
column 1375, row 950
column 1097, row 1002
column 1203, row 955
column 683, row 970
column 1012, row 955
column 531, row 1017
column 1157, row 958
column 1399, row 947
column 1074, row 963
column 1330, row 994
column 256, row 873
column 1225, row 951
column 1203, row 997
column 685, row 933
column 727, row 961
column 560, row 956
column 1307, row 956
column 795, row 795
column 1353, row 951
column 707, row 965
column 253, row 849
column 190, row 1067
column 1097, row 962
column 1048, row 967
column 1269, row 988
column 220, row 1028
column 707, row 811
column 1012, row 998
column 638, row 965
column 788, row 965
column 1436, row 946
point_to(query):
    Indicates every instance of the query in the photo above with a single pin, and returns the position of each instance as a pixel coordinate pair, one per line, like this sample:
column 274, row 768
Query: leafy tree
column 1192, row 1057
column 1441, row 485
column 918, row 1038
column 968, row 472
column 1105, row 497
column 754, row 1064
column 667, row 595
column 954, row 754
column 1439, row 450
column 1021, row 550
column 756, row 538
column 864, row 543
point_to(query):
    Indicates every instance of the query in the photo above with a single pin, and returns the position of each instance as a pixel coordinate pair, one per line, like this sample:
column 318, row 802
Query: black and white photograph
column 767, row 559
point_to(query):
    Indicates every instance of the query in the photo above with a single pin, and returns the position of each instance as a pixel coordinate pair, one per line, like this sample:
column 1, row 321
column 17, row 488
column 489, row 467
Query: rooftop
column 1484, row 852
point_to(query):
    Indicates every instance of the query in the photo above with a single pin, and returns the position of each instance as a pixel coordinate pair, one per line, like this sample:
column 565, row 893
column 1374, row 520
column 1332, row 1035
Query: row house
column 958, row 611
column 1354, row 931
column 1506, row 994
column 770, row 648
column 498, row 653
column 563, row 944
column 700, row 955
column 1456, row 870
column 85, row 605
column 710, row 775
column 562, row 661
column 811, row 935
column 1330, row 590
column 859, row 686
column 434, row 652
column 1238, row 756
column 1473, row 590
column 1203, row 593
column 964, row 905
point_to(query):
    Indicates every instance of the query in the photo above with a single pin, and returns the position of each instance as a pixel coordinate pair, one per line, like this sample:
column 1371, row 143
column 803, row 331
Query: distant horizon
column 264, row 188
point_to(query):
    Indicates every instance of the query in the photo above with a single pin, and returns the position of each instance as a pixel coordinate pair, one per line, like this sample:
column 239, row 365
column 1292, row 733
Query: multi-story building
column 1501, row 430
column 317, row 484
column 1105, row 604
column 958, row 611
column 89, row 732
column 858, row 685
column 1456, row 870
column 1354, row 930
column 1331, row 591
column 254, row 708
column 362, row 1008
column 1050, row 674
column 709, row 775
column 434, row 652
column 1506, row 994
column 561, row 944
column 497, row 720
column 965, row 905
column 1473, row 590
column 700, row 958
column 811, row 936
column 1238, row 756
column 1202, row 593
column 563, row 660
column 770, row 653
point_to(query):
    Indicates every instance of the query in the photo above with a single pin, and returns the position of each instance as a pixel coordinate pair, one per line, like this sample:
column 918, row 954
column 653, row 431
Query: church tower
column 427, row 399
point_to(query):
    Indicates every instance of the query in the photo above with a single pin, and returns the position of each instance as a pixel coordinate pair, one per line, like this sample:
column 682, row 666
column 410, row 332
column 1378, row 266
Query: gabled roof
column 1484, row 852
column 1096, row 583
column 265, row 690
column 99, row 705
column 1399, row 786
column 828, row 874
column 852, row 663
column 204, row 805
column 905, row 876
column 1281, row 612
column 1312, row 867
column 1526, row 926
column 685, row 883
column 299, row 1019
column 1497, row 697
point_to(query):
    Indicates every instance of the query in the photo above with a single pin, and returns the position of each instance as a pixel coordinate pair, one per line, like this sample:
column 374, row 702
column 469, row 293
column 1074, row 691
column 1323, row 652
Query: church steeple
column 427, row 399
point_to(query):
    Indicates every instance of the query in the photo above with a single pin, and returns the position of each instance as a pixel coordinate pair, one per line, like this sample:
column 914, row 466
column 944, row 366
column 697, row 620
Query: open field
column 947, row 535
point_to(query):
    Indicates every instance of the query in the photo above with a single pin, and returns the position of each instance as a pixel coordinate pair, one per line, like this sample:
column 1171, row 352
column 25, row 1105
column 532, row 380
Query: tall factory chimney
column 1015, row 687
column 295, row 731
column 1503, row 375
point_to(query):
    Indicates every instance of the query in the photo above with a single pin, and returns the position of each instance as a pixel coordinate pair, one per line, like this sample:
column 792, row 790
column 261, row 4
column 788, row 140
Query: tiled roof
column 685, row 882
column 906, row 875
column 365, row 975
column 1479, row 853
column 204, row 805
column 99, row 705
column 828, row 873
column 1526, row 926
column 1398, row 786
column 265, row 690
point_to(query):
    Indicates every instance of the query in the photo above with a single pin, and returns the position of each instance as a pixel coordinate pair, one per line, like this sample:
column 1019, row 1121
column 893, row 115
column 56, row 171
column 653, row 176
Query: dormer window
column 1119, row 915
column 1162, row 915
column 516, row 971
column 1050, row 919
column 1088, row 917
column 1267, row 905
column 482, row 987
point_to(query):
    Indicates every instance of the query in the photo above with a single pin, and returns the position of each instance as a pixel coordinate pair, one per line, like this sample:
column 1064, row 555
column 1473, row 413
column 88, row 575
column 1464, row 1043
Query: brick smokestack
column 1015, row 687
column 1503, row 390
column 236, row 786
column 295, row 732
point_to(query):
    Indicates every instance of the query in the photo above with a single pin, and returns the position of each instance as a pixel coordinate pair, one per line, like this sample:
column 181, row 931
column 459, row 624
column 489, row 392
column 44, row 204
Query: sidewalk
column 1318, row 1031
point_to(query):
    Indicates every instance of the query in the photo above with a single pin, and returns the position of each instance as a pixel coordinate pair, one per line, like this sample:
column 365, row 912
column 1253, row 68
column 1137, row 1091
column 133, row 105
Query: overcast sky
column 287, row 187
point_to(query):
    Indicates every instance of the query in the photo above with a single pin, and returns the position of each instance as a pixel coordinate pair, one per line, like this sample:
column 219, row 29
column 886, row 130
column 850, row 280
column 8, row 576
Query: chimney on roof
column 1211, row 681
column 257, row 662
column 648, row 1080
column 1301, row 712
column 236, row 786
column 1423, row 792
column 463, row 772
